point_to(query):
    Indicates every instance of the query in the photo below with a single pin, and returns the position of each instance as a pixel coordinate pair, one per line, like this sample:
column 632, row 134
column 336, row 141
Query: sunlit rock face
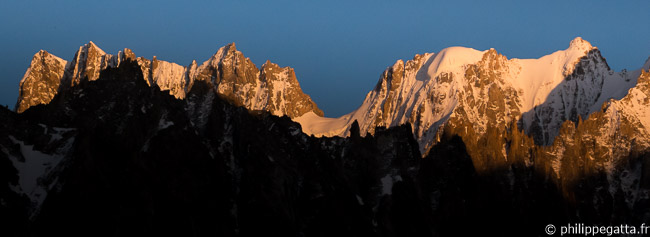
column 41, row 81
column 231, row 75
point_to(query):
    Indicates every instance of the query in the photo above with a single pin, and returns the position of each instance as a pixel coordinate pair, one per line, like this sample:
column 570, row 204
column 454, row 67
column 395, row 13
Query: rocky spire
column 41, row 81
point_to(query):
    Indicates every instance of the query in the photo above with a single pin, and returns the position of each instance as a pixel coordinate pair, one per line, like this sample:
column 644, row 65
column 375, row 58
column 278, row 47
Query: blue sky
column 338, row 48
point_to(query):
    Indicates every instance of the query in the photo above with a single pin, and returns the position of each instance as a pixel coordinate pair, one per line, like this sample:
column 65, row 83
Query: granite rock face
column 232, row 76
column 41, row 81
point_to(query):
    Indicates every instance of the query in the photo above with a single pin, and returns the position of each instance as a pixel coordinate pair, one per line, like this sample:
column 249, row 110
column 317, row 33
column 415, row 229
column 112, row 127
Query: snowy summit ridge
column 484, row 89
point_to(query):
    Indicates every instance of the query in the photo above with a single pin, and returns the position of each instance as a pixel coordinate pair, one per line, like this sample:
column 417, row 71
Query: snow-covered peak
column 536, row 78
column 420, row 91
column 452, row 59
column 482, row 88
column 580, row 44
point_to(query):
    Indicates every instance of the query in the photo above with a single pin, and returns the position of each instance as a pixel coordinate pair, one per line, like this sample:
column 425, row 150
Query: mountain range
column 121, row 145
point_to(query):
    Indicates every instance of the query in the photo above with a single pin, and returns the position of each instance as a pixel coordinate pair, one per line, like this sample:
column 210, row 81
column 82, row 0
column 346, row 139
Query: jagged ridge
column 485, row 88
column 233, row 76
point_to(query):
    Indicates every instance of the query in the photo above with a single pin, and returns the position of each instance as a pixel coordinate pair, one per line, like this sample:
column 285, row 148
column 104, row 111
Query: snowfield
column 549, row 89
